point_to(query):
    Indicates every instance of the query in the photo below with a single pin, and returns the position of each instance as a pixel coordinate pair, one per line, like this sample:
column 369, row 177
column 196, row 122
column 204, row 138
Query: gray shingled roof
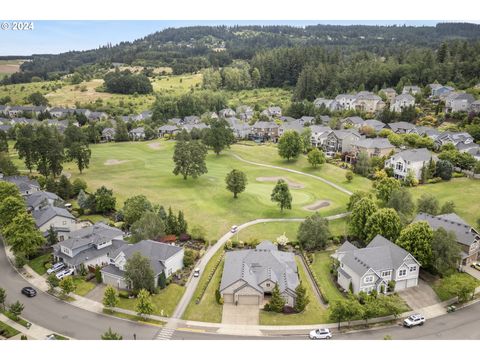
column 254, row 266
column 40, row 197
column 377, row 125
column 44, row 215
column 354, row 120
column 451, row 222
column 414, row 155
column 94, row 235
column 265, row 125
column 91, row 253
column 379, row 143
column 22, row 182
column 380, row 254
column 403, row 125
column 157, row 252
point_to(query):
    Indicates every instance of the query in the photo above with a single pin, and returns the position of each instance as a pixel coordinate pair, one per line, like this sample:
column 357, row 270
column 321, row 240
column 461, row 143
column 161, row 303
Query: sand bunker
column 110, row 162
column 317, row 205
column 155, row 146
column 291, row 184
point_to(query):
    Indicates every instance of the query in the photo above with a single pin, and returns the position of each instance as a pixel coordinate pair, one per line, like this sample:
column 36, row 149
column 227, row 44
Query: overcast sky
column 54, row 37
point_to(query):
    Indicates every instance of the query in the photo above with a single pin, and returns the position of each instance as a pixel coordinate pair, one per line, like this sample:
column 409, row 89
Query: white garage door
column 400, row 285
column 228, row 298
column 412, row 282
column 248, row 299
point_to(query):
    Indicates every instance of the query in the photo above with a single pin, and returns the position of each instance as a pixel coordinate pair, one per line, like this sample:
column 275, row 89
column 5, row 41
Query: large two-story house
column 401, row 102
column 375, row 267
column 412, row 160
column 319, row 135
column 340, row 141
column 466, row 236
column 56, row 218
column 456, row 102
column 164, row 258
column 373, row 147
column 249, row 275
column 25, row 185
column 265, row 130
column 90, row 246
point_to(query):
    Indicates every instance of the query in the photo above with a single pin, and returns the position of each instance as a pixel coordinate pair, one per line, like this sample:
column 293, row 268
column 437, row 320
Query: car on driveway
column 29, row 291
column 319, row 334
column 56, row 267
column 414, row 320
column 63, row 273
column 476, row 266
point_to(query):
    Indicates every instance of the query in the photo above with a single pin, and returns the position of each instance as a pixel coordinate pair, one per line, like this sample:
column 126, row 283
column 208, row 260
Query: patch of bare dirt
column 317, row 205
column 110, row 162
column 291, row 184
column 155, row 146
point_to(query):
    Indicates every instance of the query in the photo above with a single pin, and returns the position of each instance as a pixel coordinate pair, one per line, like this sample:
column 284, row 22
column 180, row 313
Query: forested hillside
column 190, row 49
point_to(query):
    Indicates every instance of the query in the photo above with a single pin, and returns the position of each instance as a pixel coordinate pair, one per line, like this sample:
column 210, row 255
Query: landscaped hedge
column 309, row 265
column 210, row 277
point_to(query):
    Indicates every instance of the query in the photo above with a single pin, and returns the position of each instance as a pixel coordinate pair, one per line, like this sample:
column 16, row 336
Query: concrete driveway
column 471, row 271
column 240, row 314
column 419, row 296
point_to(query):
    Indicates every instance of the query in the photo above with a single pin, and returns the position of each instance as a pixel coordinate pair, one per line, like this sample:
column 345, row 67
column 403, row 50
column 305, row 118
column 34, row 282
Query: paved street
column 65, row 319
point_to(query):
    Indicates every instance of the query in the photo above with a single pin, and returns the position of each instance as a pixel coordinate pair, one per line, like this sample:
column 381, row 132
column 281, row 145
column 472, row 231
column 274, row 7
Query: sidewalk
column 34, row 333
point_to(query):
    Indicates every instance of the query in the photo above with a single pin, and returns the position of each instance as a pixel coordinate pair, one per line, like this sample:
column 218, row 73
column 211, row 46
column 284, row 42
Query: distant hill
column 189, row 49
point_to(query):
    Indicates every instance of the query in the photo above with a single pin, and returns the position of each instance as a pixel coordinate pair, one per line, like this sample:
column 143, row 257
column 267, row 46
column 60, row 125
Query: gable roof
column 465, row 234
column 257, row 265
column 414, row 155
column 39, row 197
column 22, row 182
column 94, row 235
column 379, row 143
column 44, row 215
column 156, row 252
column 380, row 254
column 401, row 125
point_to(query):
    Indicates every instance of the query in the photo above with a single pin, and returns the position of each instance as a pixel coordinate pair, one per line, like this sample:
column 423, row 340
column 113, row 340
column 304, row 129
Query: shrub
column 434, row 180
column 20, row 260
column 218, row 296
column 98, row 274
column 458, row 175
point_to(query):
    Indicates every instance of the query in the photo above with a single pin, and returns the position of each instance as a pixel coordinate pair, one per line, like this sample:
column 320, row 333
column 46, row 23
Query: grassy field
column 37, row 264
column 207, row 310
column 18, row 92
column 150, row 168
column 262, row 98
column 177, row 84
column 271, row 231
column 165, row 301
column 8, row 67
column 268, row 154
column 321, row 268
column 464, row 192
column 313, row 314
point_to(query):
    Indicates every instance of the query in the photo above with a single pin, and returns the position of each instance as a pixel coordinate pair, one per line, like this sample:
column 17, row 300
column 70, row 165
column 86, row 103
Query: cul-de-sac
column 243, row 182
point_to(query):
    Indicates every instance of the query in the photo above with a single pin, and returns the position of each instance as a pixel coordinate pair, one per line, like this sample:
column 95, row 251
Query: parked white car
column 196, row 272
column 56, row 267
column 319, row 334
column 414, row 320
column 234, row 229
column 63, row 273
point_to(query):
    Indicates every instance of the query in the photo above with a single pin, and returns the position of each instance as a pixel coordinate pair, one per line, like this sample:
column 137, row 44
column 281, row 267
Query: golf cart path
column 332, row 184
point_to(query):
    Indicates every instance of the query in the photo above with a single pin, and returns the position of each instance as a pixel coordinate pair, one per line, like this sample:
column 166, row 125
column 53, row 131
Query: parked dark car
column 29, row 291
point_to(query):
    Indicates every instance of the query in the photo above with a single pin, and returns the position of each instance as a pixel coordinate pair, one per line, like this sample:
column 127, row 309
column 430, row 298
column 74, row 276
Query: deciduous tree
column 385, row 222
column 189, row 158
column 316, row 157
column 236, row 182
column 144, row 305
column 313, row 233
column 139, row 273
column 281, row 195
column 417, row 238
column 289, row 145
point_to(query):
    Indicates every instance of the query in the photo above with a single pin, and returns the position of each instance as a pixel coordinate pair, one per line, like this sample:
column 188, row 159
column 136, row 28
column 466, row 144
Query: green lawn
column 264, row 98
column 7, row 331
column 313, row 314
column 464, row 192
column 268, row 154
column 321, row 268
column 207, row 310
column 165, row 301
column 271, row 231
column 150, row 169
column 37, row 264
column 18, row 320
column 444, row 293
column 83, row 287
column 177, row 84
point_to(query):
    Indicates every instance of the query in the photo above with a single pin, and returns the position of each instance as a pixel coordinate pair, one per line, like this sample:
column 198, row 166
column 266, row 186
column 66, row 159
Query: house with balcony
column 466, row 236
column 341, row 141
column 412, row 160
column 265, row 131
column 375, row 267
column 373, row 147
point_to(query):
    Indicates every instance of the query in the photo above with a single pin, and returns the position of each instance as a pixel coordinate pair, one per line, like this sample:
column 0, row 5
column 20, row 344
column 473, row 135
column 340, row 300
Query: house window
column 368, row 279
column 402, row 272
column 386, row 273
column 413, row 268
column 268, row 284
